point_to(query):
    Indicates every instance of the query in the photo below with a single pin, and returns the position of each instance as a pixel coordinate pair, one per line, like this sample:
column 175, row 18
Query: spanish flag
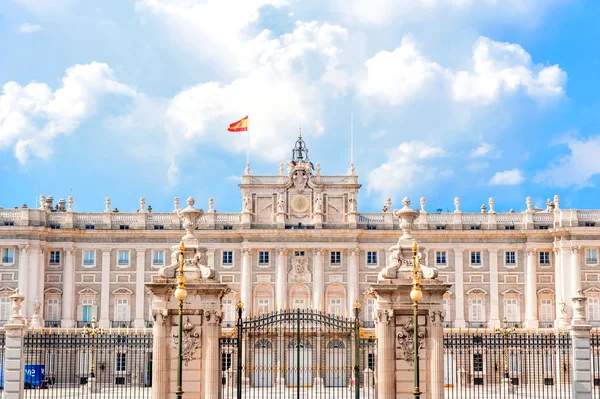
column 239, row 126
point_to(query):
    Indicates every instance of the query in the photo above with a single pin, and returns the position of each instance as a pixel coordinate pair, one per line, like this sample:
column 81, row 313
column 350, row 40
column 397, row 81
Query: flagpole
column 248, row 140
column 351, row 138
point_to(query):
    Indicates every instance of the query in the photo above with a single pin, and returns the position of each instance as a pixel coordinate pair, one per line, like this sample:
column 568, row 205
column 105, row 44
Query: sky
column 449, row 98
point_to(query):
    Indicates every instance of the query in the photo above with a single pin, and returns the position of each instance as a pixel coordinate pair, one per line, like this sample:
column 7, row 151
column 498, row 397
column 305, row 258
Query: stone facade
column 299, row 240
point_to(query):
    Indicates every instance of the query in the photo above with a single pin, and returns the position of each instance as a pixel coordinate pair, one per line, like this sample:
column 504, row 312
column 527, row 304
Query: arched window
column 263, row 298
column 335, row 297
column 300, row 296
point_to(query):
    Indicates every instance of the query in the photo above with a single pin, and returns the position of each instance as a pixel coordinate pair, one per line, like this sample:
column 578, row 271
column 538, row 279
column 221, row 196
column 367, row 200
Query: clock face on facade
column 300, row 203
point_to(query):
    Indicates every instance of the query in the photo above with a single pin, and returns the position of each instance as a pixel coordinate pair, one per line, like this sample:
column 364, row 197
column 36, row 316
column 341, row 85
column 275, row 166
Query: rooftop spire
column 300, row 152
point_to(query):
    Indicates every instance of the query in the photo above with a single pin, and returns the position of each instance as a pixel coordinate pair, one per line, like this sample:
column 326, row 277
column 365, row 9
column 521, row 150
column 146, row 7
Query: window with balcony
column 544, row 258
column 368, row 313
column 122, row 309
column 336, row 258
column 591, row 256
column 123, row 258
column 158, row 258
column 372, row 258
column 89, row 258
column 5, row 309
column 476, row 258
column 510, row 258
column 53, row 309
column 55, row 257
column 8, row 255
column 593, row 309
column 227, row 258
column 546, row 312
column 263, row 257
column 440, row 258
column 511, row 310
column 476, row 310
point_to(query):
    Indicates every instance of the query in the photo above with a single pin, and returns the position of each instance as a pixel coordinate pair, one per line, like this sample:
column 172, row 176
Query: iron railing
column 513, row 365
column 71, row 364
column 595, row 357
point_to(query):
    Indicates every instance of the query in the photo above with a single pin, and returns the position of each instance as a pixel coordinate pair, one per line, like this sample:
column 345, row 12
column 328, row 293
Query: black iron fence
column 507, row 365
column 298, row 353
column 595, row 358
column 76, row 364
column 2, row 362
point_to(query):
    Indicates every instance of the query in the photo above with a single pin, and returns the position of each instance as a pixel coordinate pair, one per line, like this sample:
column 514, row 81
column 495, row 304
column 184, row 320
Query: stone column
column 105, row 290
column 531, row 316
column 353, row 280
column 566, row 278
column 23, row 282
column 561, row 320
column 386, row 351
column 575, row 272
column 33, row 278
column 14, row 362
column 41, row 278
column 318, row 279
column 246, row 294
column 436, row 351
column 160, row 363
column 459, row 289
column 212, row 354
column 140, row 291
column 281, row 276
column 68, row 297
column 494, row 305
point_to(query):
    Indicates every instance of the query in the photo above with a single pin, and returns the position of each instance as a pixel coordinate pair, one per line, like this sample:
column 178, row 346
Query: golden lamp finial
column 415, row 246
column 181, row 246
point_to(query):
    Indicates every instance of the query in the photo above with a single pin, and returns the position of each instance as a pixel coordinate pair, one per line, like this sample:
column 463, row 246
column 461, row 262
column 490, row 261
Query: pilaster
column 23, row 282
column 140, row 276
column 459, row 285
column 105, row 289
column 211, row 352
column 435, row 349
column 160, row 365
column 33, row 278
column 281, row 276
column 494, row 297
column 40, row 277
column 531, row 316
column 575, row 272
column 353, row 279
column 246, row 293
column 68, row 297
column 318, row 279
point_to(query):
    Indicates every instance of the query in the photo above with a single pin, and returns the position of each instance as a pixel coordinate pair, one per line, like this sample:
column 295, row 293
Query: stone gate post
column 14, row 365
column 581, row 371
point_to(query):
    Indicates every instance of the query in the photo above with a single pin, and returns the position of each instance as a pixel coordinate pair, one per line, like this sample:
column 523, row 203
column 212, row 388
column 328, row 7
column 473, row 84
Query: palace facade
column 300, row 241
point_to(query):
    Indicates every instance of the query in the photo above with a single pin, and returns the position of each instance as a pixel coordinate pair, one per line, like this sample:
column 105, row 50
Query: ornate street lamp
column 93, row 332
column 180, row 295
column 505, row 331
column 416, row 295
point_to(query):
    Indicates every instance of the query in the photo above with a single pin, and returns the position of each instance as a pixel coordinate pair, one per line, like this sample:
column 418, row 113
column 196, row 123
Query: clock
column 300, row 203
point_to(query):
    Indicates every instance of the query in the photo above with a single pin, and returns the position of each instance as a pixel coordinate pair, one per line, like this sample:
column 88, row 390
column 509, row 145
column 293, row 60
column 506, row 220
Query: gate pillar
column 14, row 359
column 581, row 372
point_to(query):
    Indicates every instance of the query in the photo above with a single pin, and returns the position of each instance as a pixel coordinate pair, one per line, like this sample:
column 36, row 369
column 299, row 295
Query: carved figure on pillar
column 246, row 204
column 281, row 204
column 318, row 205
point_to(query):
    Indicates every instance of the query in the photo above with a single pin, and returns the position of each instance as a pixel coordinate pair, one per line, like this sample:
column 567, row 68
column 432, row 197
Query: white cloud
column 575, row 169
column 477, row 166
column 485, row 150
column 498, row 69
column 407, row 166
column 507, row 178
column 505, row 68
column 32, row 116
column 29, row 28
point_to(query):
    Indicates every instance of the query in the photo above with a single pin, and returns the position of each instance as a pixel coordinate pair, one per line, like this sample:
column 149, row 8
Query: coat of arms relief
column 298, row 271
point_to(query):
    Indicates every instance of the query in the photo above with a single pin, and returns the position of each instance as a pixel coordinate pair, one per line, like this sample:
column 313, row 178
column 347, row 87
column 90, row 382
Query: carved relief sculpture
column 190, row 341
column 298, row 272
column 281, row 205
column 405, row 341
column 318, row 205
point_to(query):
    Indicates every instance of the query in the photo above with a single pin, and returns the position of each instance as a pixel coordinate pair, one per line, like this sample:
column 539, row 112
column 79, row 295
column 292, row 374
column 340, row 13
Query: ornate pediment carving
column 405, row 341
column 191, row 340
column 298, row 272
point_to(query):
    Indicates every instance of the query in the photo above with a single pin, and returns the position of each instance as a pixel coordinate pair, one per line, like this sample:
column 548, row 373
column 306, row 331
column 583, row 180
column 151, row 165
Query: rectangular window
column 89, row 258
column 263, row 306
column 53, row 309
column 227, row 227
column 593, row 309
column 476, row 258
column 440, row 257
column 87, row 313
column 228, row 257
column 55, row 226
column 226, row 361
column 544, row 258
column 371, row 257
column 159, row 227
column 299, row 303
column 335, row 306
column 158, row 258
column 123, row 257
column 263, row 257
column 476, row 309
column 590, row 224
column 543, row 227
column 5, row 308
column 369, row 309
column 228, row 311
column 8, row 255
column 9, row 223
column 546, row 310
column 89, row 227
column 371, row 361
column 124, row 227
column 371, row 227
column 509, row 258
column 336, row 257
column 440, row 227
column 299, row 253
column 509, row 227
column 477, row 363
column 475, row 227
column 511, row 309
column 122, row 309
column 121, row 362
column 591, row 256
column 55, row 257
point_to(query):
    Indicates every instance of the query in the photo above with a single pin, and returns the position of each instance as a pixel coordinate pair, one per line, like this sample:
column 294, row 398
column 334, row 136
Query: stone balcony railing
column 527, row 220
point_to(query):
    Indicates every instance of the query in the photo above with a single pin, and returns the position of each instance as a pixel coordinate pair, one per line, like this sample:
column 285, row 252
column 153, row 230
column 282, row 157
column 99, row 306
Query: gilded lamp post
column 93, row 332
column 180, row 295
column 505, row 331
column 415, row 295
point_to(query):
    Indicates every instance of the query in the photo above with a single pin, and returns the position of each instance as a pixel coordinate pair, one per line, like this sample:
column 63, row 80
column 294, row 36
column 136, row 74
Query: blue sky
column 467, row 98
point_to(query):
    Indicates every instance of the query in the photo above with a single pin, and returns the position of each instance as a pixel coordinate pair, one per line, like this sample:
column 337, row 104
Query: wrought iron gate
column 298, row 353
column 75, row 363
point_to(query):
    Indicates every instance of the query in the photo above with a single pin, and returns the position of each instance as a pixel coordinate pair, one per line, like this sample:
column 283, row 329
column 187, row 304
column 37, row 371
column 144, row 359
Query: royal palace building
column 301, row 241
